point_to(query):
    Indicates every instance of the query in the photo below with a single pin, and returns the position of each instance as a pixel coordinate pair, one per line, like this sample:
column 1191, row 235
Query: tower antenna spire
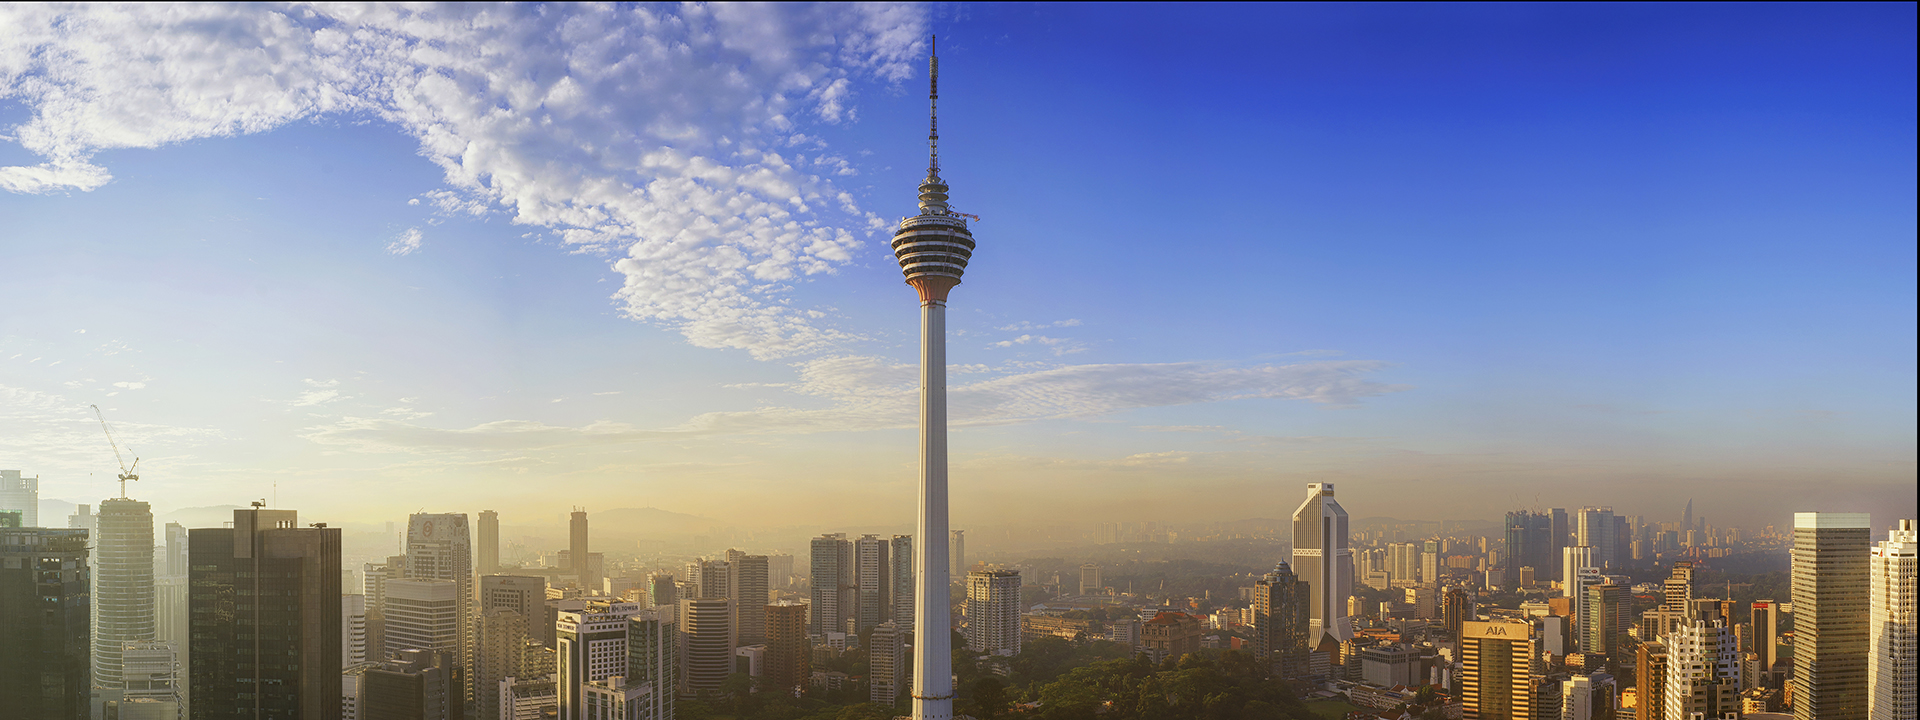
column 933, row 106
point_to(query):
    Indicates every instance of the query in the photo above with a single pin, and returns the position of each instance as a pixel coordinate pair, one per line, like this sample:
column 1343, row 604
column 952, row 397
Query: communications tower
column 933, row 248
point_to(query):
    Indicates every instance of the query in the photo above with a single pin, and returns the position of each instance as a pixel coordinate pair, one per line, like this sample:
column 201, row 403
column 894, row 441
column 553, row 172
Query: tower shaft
column 932, row 646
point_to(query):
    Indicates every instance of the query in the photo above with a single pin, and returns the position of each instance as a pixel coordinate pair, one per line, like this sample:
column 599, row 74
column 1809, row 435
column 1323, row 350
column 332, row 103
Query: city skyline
column 1432, row 251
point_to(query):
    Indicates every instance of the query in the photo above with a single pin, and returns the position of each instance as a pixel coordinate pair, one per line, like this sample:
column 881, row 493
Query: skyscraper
column 1765, row 619
column 831, row 573
column 500, row 652
column 440, row 547
column 123, row 586
column 1830, row 607
column 1323, row 562
column 993, row 612
column 789, row 662
column 933, row 248
column 959, row 553
column 1496, row 667
column 489, row 558
column 902, row 576
column 870, row 573
column 45, row 668
column 1594, row 528
column 1601, row 625
column 749, row 593
column 1529, row 544
column 414, row 685
column 422, row 615
column 21, row 494
column 1677, row 599
column 1574, row 560
column 1281, row 621
column 266, row 554
column 1587, row 697
column 1403, row 564
column 1891, row 678
column 706, row 632
column 1650, row 680
column 1559, row 536
column 577, row 551
column 353, row 630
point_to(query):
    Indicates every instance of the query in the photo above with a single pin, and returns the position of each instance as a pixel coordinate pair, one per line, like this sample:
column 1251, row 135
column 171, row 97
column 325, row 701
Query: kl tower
column 933, row 248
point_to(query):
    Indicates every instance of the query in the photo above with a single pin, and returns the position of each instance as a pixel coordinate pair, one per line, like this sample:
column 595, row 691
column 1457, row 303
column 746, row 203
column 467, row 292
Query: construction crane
column 126, row 473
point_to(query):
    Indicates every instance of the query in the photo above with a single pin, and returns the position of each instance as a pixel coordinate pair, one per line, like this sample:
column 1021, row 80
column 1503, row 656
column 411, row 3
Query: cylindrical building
column 123, row 586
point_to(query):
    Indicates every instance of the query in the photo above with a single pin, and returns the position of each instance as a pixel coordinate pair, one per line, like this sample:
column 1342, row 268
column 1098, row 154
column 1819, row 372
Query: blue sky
column 1460, row 258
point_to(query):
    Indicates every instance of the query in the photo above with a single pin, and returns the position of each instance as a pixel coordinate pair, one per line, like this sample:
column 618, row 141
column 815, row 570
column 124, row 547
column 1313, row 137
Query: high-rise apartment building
column 1764, row 618
column 1496, row 670
column 22, row 495
column 1594, row 527
column 1650, row 680
column 870, row 575
column 45, row 666
column 749, row 592
column 440, row 547
column 1702, row 671
column 1891, row 677
column 489, row 552
column 1830, row 607
column 706, row 643
column 993, row 611
column 1281, row 622
column 789, row 659
column 1322, row 559
column 1678, row 597
column 890, row 666
column 592, row 647
column 1403, row 564
column 500, row 652
column 1430, row 563
column 253, row 585
column 123, row 594
column 832, row 575
column 902, row 575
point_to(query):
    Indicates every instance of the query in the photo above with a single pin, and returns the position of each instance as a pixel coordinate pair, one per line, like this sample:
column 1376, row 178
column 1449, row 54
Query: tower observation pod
column 933, row 248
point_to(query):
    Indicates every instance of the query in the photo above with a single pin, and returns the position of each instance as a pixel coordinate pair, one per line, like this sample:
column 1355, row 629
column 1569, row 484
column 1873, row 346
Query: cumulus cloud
column 657, row 135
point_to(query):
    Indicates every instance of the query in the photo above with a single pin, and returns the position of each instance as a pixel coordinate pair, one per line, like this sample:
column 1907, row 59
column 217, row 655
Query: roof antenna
column 933, row 105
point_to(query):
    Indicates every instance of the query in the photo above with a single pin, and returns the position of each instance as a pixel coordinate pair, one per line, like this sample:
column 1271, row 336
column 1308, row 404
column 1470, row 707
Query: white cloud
column 323, row 383
column 870, row 393
column 130, row 385
column 1026, row 325
column 316, row 397
column 655, row 134
column 405, row 243
column 1060, row 346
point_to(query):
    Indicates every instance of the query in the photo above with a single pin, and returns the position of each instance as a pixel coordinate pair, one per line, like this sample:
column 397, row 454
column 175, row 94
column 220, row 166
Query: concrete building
column 993, row 611
column 22, row 495
column 901, row 575
column 1702, row 670
column 1170, row 635
column 1280, row 622
column 414, row 685
column 1831, row 589
column 1602, row 629
column 870, row 576
column 1650, row 681
column 1390, row 665
column 1323, row 561
column 353, row 630
column 45, row 669
column 832, row 579
column 487, row 557
column 1892, row 675
column 523, row 594
column 266, row 554
column 500, row 652
column 748, row 588
column 1496, row 670
column 1595, row 528
column 958, row 538
column 890, row 674
column 592, row 647
column 577, row 551
column 789, row 658
column 1589, row 697
column 529, row 699
column 1764, row 618
column 440, row 547
column 1090, row 582
column 1403, row 564
column 123, row 595
column 422, row 615
column 706, row 643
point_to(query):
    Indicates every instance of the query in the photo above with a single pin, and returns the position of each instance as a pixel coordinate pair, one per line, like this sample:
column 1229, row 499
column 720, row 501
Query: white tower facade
column 1323, row 561
column 123, row 580
column 1892, row 675
column 933, row 249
